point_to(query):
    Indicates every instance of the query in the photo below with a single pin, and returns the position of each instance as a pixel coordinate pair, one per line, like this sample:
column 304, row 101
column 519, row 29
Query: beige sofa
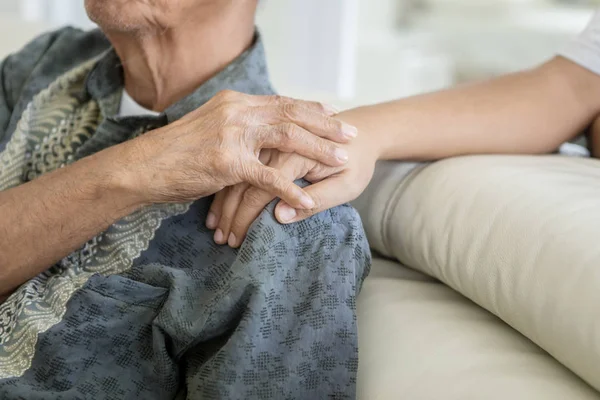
column 513, row 308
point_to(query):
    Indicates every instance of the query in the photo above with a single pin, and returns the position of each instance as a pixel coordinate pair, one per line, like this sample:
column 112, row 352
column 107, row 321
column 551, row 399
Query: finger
column 254, row 200
column 277, row 100
column 318, row 123
column 253, row 203
column 291, row 138
column 327, row 194
column 319, row 171
column 276, row 183
column 230, row 205
column 214, row 212
column 214, row 215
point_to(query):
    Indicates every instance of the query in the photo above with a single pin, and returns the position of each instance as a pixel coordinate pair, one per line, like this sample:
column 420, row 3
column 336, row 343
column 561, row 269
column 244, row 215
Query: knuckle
column 290, row 111
column 271, row 179
column 324, row 147
column 293, row 164
column 254, row 199
column 226, row 95
column 308, row 165
column 290, row 131
column 268, row 177
column 277, row 98
column 330, row 149
column 318, row 106
column 228, row 111
column 228, row 133
column 333, row 125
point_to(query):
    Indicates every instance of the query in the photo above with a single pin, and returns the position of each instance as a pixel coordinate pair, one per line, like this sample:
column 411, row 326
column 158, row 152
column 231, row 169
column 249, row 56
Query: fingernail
column 341, row 154
column 232, row 241
column 307, row 201
column 330, row 109
column 219, row 236
column 211, row 220
column 349, row 130
column 286, row 213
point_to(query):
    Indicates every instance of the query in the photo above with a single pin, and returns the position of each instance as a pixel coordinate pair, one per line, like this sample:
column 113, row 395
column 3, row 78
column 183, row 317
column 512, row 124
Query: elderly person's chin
column 137, row 15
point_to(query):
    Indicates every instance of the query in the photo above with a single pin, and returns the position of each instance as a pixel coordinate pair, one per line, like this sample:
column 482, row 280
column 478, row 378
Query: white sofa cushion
column 420, row 340
column 519, row 235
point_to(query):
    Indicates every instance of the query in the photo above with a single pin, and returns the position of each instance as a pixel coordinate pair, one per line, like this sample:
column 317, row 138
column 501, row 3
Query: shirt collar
column 248, row 73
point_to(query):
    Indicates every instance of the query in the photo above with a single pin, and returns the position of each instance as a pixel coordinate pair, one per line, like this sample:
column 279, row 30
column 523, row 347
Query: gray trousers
column 274, row 320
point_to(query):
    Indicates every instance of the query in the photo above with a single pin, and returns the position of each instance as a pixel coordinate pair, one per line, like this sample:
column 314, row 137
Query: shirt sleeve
column 585, row 49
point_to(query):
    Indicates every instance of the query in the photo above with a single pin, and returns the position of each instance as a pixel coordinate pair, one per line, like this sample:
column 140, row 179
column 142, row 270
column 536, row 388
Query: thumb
column 326, row 194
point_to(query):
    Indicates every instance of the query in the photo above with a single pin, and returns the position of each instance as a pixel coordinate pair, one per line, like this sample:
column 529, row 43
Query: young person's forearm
column 44, row 220
column 528, row 112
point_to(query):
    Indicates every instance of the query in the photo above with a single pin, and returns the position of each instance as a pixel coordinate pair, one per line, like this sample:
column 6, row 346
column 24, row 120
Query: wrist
column 369, row 137
column 384, row 147
column 378, row 146
column 119, row 178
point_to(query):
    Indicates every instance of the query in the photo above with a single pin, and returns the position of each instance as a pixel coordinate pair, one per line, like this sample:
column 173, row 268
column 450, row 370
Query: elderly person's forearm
column 212, row 147
column 46, row 219
column 528, row 112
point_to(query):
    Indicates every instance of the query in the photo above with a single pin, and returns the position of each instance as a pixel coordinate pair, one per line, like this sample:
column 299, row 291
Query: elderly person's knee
column 328, row 248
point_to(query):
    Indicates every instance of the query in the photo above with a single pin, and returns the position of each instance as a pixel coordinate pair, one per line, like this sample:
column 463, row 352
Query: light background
column 352, row 52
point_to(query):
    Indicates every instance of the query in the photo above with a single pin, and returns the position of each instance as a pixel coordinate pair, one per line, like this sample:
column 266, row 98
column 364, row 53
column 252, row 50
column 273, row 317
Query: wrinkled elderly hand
column 218, row 145
column 235, row 208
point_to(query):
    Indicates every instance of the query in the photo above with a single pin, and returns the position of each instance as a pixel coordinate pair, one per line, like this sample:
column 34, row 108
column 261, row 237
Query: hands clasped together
column 249, row 150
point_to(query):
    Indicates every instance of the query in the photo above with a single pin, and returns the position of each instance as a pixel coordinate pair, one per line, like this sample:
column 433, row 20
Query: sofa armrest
column 383, row 192
column 518, row 235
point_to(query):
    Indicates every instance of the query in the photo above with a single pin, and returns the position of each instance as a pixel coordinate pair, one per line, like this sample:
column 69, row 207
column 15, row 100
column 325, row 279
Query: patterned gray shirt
column 152, row 307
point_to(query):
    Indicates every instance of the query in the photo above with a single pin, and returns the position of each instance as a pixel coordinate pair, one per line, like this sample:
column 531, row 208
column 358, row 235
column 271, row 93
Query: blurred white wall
column 353, row 52
column 312, row 43
column 406, row 47
column 55, row 12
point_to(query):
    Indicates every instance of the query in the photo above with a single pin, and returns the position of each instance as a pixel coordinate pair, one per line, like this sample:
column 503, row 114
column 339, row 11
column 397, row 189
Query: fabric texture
column 152, row 308
column 421, row 340
column 517, row 235
column 585, row 49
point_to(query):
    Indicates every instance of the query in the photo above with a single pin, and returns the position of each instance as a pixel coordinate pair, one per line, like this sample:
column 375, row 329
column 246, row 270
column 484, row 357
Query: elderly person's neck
column 163, row 65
